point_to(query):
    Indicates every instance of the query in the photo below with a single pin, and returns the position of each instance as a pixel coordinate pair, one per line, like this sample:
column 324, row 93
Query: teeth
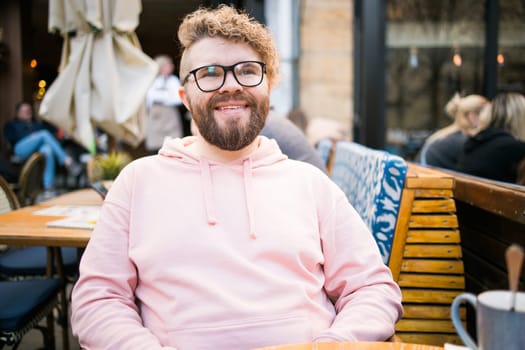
column 231, row 107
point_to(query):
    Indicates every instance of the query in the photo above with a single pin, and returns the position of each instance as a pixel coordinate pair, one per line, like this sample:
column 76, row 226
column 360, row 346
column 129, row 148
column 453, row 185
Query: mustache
column 238, row 96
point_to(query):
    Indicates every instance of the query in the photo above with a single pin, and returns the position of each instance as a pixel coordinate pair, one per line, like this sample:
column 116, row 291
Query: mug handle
column 456, row 320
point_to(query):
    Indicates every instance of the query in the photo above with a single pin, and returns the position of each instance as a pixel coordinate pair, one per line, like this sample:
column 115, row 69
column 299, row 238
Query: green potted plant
column 105, row 167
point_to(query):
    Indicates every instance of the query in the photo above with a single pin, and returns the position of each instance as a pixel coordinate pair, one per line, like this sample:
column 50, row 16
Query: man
column 162, row 102
column 220, row 241
column 291, row 140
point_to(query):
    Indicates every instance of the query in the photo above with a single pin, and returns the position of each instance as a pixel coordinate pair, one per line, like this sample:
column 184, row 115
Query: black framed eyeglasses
column 212, row 77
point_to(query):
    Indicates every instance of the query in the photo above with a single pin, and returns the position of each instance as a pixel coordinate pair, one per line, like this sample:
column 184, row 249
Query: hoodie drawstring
column 248, row 190
column 206, row 182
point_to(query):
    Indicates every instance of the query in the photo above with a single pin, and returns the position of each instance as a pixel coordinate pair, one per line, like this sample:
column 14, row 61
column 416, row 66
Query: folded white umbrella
column 104, row 74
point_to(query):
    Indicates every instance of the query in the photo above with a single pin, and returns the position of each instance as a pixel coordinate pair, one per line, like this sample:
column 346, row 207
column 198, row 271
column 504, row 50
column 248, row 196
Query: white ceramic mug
column 497, row 326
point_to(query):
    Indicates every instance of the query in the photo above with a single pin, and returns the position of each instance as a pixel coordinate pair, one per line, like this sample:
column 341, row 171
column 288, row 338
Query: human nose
column 230, row 82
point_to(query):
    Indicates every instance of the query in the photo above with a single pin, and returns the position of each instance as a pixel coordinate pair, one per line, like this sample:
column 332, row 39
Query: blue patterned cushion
column 324, row 147
column 373, row 181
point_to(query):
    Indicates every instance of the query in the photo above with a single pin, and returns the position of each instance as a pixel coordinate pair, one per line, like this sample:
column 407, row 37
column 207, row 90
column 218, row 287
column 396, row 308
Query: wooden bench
column 426, row 259
column 425, row 256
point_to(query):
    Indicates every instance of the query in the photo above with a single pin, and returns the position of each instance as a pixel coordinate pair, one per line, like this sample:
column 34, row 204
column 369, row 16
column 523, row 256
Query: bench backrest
column 373, row 182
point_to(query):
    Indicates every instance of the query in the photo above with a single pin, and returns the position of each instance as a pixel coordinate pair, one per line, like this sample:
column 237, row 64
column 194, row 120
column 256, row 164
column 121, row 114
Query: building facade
column 382, row 68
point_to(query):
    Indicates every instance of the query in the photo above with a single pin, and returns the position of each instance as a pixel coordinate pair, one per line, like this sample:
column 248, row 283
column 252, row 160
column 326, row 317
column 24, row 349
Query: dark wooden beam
column 371, row 72
column 490, row 84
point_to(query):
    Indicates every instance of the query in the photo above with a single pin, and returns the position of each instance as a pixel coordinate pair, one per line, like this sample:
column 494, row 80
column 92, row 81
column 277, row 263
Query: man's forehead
column 219, row 50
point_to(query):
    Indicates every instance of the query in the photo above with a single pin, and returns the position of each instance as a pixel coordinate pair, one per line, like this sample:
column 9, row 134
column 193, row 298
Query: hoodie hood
column 266, row 154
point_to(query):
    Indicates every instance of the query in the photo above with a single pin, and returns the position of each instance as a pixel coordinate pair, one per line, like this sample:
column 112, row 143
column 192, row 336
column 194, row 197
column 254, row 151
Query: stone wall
column 326, row 60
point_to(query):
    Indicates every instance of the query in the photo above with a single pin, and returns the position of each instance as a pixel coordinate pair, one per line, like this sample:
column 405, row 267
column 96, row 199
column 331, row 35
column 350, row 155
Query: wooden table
column 354, row 346
column 23, row 228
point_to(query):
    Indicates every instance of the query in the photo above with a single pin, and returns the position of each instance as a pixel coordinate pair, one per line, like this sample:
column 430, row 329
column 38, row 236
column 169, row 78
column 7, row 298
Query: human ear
column 184, row 97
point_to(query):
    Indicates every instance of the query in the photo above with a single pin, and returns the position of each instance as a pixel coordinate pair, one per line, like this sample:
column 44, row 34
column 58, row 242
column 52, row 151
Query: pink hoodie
column 193, row 254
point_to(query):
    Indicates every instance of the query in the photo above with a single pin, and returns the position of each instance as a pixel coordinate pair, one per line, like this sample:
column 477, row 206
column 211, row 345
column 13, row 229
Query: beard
column 233, row 136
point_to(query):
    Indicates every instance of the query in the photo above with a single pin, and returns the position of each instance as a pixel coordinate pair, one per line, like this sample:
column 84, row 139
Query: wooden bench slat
column 437, row 339
column 433, row 296
column 433, row 193
column 432, row 251
column 432, row 266
column 437, row 221
column 431, row 311
column 439, row 326
column 434, row 280
column 432, row 182
column 433, row 236
column 434, row 206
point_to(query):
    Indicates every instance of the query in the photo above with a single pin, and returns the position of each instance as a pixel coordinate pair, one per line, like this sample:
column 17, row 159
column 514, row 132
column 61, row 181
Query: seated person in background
column 297, row 116
column 28, row 135
column 318, row 129
column 162, row 101
column 323, row 128
column 497, row 150
column 442, row 148
column 291, row 140
column 233, row 245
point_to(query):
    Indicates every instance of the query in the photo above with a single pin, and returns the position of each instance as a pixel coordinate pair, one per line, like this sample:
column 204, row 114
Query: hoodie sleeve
column 366, row 298
column 104, row 313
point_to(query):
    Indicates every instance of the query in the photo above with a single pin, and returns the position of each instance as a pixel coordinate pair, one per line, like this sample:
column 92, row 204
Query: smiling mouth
column 230, row 108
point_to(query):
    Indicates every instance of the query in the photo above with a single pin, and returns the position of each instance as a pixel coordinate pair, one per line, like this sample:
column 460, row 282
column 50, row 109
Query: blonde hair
column 470, row 103
column 459, row 108
column 508, row 113
column 231, row 24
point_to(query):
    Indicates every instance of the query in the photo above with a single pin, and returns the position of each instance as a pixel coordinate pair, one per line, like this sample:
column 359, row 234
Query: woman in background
column 497, row 150
column 442, row 148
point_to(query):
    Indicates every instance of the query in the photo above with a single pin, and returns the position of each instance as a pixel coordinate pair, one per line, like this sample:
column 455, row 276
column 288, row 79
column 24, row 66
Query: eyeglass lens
column 212, row 77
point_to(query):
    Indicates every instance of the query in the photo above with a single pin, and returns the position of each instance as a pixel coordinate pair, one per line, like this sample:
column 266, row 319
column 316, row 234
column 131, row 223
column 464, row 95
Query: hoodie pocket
column 244, row 334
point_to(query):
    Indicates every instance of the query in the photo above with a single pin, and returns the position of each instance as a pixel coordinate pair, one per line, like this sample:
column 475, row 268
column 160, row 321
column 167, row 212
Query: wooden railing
column 491, row 217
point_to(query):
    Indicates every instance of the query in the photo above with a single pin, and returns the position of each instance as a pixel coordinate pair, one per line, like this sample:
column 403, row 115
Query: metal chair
column 23, row 304
column 30, row 180
column 8, row 199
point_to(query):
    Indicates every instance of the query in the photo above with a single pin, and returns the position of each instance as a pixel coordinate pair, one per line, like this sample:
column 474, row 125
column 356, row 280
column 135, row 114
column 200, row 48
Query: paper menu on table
column 72, row 223
column 455, row 347
column 76, row 216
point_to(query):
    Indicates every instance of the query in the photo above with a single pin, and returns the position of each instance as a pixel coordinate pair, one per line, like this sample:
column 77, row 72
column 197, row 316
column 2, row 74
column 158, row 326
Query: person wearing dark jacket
column 27, row 135
column 496, row 151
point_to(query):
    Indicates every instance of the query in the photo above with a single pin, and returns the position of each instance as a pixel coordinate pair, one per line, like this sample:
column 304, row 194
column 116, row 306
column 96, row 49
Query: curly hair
column 229, row 23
